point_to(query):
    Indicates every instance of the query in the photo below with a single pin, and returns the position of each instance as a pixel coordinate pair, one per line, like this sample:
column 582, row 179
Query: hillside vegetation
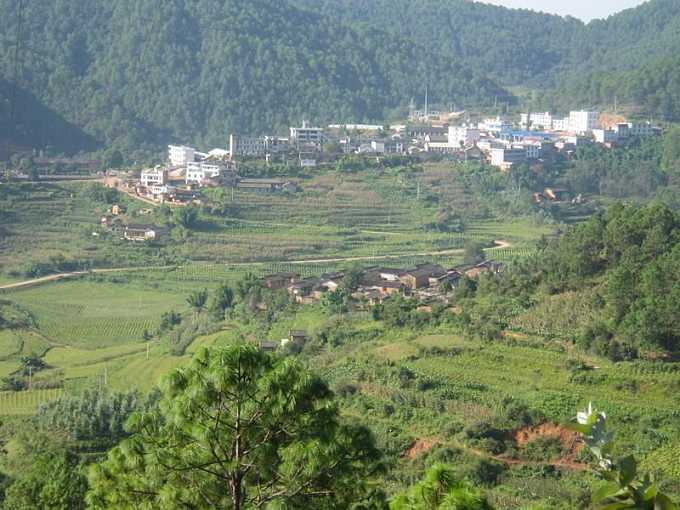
column 653, row 89
column 133, row 73
column 520, row 45
column 631, row 55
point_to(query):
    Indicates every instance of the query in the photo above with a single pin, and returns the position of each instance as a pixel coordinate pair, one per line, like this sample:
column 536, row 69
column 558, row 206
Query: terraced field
column 89, row 330
column 93, row 316
column 44, row 221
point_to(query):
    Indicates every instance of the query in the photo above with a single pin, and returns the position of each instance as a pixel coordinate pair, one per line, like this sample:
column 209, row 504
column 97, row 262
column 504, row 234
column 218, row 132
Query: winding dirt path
column 34, row 282
column 74, row 274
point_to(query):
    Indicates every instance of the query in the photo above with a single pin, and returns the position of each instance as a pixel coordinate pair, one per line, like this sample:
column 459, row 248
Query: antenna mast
column 427, row 109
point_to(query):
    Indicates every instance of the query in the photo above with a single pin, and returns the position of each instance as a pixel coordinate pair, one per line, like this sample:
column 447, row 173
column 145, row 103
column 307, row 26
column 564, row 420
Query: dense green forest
column 512, row 44
column 653, row 89
column 138, row 74
column 143, row 73
column 519, row 46
column 629, row 57
column 622, row 263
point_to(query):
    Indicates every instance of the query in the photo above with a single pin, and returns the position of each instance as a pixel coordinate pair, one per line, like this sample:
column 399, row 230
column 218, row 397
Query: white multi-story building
column 505, row 158
column 463, row 135
column 158, row 191
column 306, row 135
column 538, row 120
column 605, row 136
column 560, row 124
column 180, row 155
column 198, row 172
column 644, row 129
column 156, row 176
column 257, row 146
column 623, row 130
column 357, row 127
column 583, row 122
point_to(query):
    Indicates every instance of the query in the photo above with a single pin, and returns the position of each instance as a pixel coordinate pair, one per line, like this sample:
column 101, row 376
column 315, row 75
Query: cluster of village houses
column 428, row 282
column 537, row 136
column 497, row 141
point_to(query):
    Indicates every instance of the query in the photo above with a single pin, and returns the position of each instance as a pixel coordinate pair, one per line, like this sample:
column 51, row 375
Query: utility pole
column 147, row 351
column 106, row 376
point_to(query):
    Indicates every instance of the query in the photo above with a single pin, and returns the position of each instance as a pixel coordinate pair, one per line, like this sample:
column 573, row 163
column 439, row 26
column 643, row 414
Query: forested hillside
column 138, row 74
column 653, row 88
column 145, row 72
column 514, row 45
column 520, row 46
column 25, row 122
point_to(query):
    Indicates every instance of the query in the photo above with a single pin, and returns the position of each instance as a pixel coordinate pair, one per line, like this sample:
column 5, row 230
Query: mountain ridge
column 139, row 74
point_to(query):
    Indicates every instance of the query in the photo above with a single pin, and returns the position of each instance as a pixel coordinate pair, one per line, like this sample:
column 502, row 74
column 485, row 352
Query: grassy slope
column 336, row 215
column 93, row 316
column 472, row 380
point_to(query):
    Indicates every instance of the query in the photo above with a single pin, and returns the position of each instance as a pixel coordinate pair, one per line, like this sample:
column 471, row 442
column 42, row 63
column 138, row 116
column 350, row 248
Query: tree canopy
column 238, row 429
column 136, row 74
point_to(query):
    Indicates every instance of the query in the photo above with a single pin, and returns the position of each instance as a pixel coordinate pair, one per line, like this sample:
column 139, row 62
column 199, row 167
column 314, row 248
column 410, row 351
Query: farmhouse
column 297, row 336
column 267, row 346
column 420, row 275
column 556, row 194
column 303, row 288
column 136, row 232
column 487, row 266
column 452, row 276
column 385, row 281
column 280, row 280
column 184, row 196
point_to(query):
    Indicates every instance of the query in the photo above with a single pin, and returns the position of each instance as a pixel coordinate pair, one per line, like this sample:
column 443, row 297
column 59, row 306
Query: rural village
column 534, row 139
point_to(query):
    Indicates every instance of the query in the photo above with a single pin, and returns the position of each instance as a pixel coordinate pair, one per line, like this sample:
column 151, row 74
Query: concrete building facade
column 583, row 122
column 180, row 155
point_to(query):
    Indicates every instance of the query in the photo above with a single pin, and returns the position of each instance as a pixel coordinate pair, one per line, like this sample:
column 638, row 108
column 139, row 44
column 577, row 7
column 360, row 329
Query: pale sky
column 584, row 9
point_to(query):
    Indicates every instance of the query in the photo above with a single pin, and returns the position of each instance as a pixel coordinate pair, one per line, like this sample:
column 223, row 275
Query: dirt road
column 74, row 274
column 365, row 258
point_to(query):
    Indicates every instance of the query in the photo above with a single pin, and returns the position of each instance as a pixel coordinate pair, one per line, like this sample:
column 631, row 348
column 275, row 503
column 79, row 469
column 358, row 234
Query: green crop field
column 454, row 383
column 366, row 215
column 92, row 316
column 91, row 328
column 26, row 402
